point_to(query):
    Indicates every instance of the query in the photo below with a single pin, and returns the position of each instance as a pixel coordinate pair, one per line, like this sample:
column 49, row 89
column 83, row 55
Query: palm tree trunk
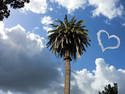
column 67, row 73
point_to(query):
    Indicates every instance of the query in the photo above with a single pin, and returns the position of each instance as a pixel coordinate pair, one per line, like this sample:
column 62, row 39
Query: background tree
column 67, row 40
column 4, row 4
column 110, row 89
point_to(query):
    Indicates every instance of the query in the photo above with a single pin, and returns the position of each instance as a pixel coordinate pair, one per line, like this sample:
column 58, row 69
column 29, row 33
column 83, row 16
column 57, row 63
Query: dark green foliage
column 68, row 36
column 110, row 89
column 5, row 12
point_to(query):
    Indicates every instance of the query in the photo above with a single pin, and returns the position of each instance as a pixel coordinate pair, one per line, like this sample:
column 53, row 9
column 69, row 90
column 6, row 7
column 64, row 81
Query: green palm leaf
column 68, row 36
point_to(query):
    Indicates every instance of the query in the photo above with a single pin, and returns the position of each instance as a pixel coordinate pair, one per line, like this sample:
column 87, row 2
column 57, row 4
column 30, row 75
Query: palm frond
column 68, row 36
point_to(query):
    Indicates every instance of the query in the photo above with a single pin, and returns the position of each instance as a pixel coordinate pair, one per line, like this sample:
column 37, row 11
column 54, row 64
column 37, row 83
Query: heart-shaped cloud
column 109, row 37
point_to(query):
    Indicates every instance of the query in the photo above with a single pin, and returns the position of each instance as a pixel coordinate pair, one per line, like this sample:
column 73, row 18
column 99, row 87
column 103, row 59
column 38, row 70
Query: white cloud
column 107, row 22
column 123, row 24
column 36, row 6
column 46, row 28
column 92, row 82
column 39, row 40
column 71, row 5
column 109, row 37
column 19, row 31
column 51, row 9
column 46, row 20
column 2, row 31
column 8, row 92
column 108, row 8
column 83, row 80
column 36, row 28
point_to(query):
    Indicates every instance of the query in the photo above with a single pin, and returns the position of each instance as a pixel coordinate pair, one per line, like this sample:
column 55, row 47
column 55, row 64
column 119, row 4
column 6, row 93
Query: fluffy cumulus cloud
column 71, row 5
column 24, row 64
column 108, row 8
column 92, row 82
column 37, row 6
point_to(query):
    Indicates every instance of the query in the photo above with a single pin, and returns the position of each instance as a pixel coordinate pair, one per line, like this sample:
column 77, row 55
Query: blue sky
column 34, row 19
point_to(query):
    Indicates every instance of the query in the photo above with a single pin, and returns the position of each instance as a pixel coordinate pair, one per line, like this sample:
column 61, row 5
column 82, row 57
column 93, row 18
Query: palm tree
column 67, row 40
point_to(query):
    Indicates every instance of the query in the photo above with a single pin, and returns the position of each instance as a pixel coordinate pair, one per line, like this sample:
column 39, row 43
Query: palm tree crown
column 68, row 36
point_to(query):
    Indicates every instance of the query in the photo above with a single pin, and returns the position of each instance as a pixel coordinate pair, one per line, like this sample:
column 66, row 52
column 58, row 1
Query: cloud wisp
column 109, row 37
column 123, row 24
column 46, row 21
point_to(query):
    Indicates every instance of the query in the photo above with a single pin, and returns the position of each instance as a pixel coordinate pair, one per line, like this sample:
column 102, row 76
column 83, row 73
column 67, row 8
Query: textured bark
column 67, row 74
